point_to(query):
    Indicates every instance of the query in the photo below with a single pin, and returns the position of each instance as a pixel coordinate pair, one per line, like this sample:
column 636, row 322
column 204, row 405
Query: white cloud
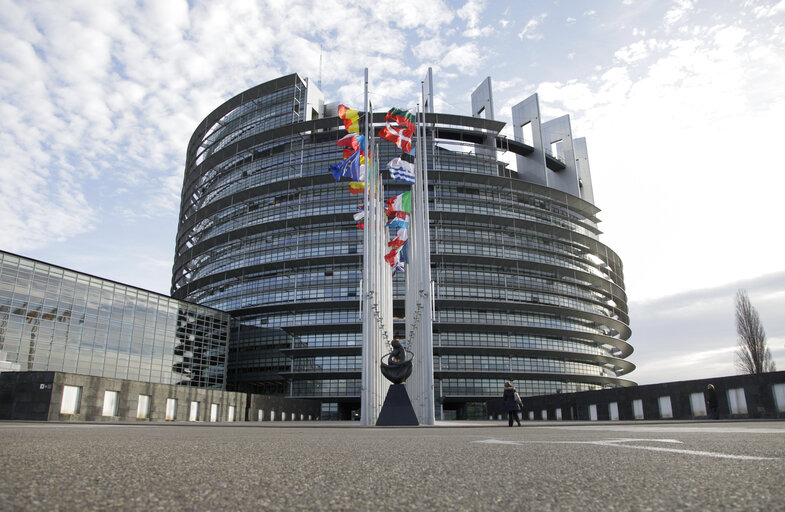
column 530, row 30
column 430, row 49
column 769, row 10
column 636, row 51
column 470, row 12
column 466, row 58
column 410, row 14
column 99, row 101
column 678, row 11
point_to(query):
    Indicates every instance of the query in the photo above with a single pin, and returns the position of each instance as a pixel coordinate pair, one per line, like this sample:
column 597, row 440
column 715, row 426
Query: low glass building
column 55, row 319
column 524, row 290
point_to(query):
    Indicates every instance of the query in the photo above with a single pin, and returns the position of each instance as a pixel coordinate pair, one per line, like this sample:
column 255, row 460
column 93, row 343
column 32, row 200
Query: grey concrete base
column 397, row 409
column 38, row 396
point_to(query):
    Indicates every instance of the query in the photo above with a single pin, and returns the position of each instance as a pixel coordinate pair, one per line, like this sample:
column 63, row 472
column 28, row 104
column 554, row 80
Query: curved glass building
column 524, row 290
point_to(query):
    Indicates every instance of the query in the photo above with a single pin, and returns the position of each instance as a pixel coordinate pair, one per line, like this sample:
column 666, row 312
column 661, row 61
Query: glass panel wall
column 55, row 319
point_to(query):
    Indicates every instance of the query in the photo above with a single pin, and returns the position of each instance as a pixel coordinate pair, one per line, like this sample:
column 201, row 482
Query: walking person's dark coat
column 711, row 402
column 511, row 405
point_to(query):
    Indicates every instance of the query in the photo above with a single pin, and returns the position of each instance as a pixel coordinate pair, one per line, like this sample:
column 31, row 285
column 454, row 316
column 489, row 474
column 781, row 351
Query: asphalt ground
column 604, row 466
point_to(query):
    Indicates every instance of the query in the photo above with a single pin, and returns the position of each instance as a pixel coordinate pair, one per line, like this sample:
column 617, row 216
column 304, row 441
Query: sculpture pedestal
column 397, row 409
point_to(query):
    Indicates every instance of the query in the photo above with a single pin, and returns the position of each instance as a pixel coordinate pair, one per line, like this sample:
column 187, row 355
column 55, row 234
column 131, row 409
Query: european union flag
column 349, row 167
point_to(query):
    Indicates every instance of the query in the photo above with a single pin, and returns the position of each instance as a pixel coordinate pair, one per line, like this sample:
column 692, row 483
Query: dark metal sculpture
column 398, row 366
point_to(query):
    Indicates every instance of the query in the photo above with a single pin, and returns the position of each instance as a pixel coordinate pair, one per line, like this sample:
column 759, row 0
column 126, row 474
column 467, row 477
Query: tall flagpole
column 377, row 282
column 366, row 415
column 428, row 300
column 418, row 296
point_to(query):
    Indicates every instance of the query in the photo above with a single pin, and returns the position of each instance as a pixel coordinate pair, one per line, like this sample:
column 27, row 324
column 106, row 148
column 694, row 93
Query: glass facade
column 55, row 319
column 524, row 290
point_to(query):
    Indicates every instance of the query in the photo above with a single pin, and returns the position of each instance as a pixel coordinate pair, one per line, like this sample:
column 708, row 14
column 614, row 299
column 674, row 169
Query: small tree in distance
column 752, row 355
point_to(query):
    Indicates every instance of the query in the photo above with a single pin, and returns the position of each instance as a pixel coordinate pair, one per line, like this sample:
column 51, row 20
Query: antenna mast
column 319, row 83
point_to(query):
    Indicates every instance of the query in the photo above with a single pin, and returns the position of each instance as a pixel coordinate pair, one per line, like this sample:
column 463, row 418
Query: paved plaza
column 342, row 466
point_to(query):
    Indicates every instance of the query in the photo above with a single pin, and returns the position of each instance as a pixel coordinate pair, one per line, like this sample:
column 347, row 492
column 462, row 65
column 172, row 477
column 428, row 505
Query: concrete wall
column 283, row 409
column 37, row 396
column 584, row 169
column 482, row 100
column 560, row 129
column 758, row 393
column 530, row 168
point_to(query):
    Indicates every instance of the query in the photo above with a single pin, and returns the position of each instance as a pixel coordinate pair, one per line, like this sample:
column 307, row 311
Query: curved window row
column 505, row 278
column 495, row 387
column 328, row 364
column 547, row 209
column 242, row 218
column 512, row 295
column 444, row 204
column 516, row 239
column 259, row 363
column 251, row 251
column 481, row 363
column 328, row 339
column 504, row 340
column 517, row 318
column 263, row 164
column 319, row 243
column 250, row 169
column 326, row 388
column 271, row 111
column 320, row 317
column 513, row 253
column 239, row 292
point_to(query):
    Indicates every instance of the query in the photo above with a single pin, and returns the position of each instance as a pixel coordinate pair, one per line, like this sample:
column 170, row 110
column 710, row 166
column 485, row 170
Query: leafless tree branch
column 753, row 354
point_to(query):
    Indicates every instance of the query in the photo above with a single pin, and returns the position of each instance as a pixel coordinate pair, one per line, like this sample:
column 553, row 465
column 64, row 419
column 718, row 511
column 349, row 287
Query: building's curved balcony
column 347, row 350
column 620, row 327
column 620, row 366
column 538, row 376
column 623, row 348
column 317, row 374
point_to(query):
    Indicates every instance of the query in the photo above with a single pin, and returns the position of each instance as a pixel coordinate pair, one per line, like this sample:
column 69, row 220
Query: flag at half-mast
column 392, row 257
column 401, row 170
column 351, row 119
column 399, row 129
column 352, row 167
column 352, row 142
column 400, row 203
column 400, row 238
column 398, row 223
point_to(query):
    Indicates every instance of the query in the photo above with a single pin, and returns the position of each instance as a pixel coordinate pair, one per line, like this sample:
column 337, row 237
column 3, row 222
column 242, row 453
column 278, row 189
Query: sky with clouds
column 680, row 102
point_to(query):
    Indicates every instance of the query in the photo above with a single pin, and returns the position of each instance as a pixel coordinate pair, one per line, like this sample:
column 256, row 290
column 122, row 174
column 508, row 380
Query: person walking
column 711, row 402
column 512, row 403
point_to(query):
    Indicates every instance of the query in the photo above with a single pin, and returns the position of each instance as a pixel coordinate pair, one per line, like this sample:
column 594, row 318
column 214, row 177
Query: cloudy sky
column 681, row 103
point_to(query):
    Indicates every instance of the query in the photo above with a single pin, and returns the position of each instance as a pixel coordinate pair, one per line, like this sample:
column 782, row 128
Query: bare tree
column 752, row 354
